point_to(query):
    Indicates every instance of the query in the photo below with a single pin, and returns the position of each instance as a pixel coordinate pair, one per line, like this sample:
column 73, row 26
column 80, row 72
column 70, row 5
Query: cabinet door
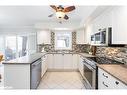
column 58, row 61
column 75, row 61
column 119, row 25
column 80, row 36
column 103, row 78
column 42, row 67
column 43, row 37
column 44, row 64
column 50, row 61
column 68, row 61
column 81, row 65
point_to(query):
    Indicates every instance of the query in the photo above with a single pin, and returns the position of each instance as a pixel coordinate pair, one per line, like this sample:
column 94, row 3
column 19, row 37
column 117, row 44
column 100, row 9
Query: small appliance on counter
column 93, row 50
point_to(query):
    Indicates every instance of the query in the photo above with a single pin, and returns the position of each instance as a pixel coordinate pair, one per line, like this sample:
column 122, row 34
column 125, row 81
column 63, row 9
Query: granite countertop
column 82, row 54
column 26, row 59
column 62, row 53
column 86, row 55
column 117, row 71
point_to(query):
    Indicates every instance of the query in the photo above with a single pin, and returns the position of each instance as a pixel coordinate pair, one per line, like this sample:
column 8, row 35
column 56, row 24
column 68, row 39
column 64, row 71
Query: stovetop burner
column 103, row 60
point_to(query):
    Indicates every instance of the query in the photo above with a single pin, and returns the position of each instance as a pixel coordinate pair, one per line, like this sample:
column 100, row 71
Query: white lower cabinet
column 62, row 61
column 50, row 61
column 80, row 64
column 58, row 61
column 75, row 61
column 44, row 64
column 68, row 61
column 107, row 81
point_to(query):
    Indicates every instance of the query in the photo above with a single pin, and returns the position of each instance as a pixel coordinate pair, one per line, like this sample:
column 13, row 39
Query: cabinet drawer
column 103, row 75
column 107, row 81
column 116, row 84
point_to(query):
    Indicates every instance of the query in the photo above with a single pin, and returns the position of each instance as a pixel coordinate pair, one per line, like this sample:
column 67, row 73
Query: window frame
column 70, row 40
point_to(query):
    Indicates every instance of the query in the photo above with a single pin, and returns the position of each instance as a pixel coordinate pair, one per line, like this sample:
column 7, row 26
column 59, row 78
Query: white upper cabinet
column 43, row 37
column 119, row 19
column 115, row 17
column 80, row 36
column 87, row 36
column 104, row 20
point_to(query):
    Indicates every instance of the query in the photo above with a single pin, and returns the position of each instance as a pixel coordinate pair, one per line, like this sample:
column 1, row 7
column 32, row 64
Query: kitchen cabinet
column 50, row 61
column 62, row 61
column 87, row 36
column 68, row 61
column 107, row 81
column 104, row 20
column 44, row 37
column 23, row 72
column 75, row 61
column 80, row 65
column 58, row 61
column 80, row 39
column 44, row 64
column 119, row 20
column 113, row 17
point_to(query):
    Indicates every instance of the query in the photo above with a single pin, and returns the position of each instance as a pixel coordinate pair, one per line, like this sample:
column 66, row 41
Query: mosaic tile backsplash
column 80, row 48
column 117, row 53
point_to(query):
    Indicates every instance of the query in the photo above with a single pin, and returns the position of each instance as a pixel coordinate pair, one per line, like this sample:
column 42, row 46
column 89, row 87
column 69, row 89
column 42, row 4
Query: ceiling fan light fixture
column 60, row 15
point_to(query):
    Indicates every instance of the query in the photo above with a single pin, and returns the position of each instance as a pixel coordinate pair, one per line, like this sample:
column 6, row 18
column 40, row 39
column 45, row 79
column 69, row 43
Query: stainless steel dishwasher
column 35, row 74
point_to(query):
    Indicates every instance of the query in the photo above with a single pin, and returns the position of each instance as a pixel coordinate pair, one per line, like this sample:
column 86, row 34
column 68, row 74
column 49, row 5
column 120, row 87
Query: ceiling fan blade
column 66, row 17
column 70, row 8
column 51, row 15
column 54, row 7
column 60, row 7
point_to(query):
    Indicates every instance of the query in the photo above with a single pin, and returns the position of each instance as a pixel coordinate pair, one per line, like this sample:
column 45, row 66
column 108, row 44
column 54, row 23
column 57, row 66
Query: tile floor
column 61, row 80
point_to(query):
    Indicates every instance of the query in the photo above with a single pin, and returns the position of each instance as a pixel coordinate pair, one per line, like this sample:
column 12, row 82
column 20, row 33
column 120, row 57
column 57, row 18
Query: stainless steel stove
column 91, row 70
column 100, row 60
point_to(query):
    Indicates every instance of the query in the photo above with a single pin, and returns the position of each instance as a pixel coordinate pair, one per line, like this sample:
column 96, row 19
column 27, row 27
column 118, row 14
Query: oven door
column 90, row 76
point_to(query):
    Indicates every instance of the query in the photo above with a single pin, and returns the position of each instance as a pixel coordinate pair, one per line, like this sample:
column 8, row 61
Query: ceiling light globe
column 60, row 15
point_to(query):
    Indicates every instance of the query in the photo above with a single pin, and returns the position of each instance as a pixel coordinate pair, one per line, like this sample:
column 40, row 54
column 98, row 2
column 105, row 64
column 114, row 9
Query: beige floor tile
column 61, row 80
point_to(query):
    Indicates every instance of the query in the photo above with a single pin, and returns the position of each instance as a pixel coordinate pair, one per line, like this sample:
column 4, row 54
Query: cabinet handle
column 117, row 82
column 105, row 84
column 105, row 75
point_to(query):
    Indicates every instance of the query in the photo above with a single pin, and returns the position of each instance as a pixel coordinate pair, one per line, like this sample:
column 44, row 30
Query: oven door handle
column 89, row 66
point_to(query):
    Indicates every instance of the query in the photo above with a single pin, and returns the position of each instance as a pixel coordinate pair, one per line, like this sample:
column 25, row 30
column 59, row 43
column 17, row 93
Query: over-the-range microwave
column 103, row 38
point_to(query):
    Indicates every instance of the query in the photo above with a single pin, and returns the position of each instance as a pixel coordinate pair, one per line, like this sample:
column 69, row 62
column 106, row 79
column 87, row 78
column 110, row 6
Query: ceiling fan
column 61, row 11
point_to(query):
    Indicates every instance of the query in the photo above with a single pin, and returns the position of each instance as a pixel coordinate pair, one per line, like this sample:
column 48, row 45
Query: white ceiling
column 32, row 15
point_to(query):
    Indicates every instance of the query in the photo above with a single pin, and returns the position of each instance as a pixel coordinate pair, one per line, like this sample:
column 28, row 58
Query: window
column 63, row 40
column 1, row 45
column 14, row 46
column 22, row 45
column 10, row 47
